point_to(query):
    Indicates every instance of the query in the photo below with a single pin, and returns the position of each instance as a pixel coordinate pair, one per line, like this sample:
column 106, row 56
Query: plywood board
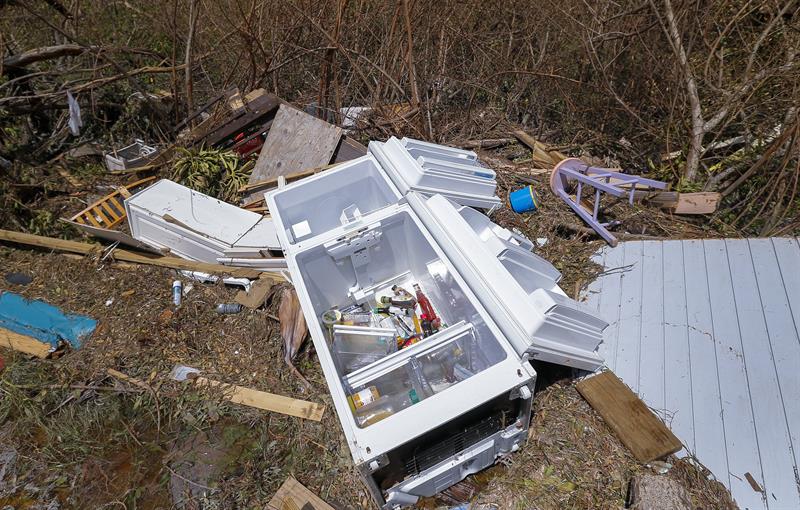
column 296, row 141
column 634, row 424
column 293, row 495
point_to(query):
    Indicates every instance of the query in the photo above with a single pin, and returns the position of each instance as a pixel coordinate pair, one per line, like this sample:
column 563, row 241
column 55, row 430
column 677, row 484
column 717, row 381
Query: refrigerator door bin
column 355, row 347
column 518, row 289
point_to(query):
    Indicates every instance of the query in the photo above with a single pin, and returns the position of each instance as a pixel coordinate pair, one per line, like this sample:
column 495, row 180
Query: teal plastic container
column 524, row 200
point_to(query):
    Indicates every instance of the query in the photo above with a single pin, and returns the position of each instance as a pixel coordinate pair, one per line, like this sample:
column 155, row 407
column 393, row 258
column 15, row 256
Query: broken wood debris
column 632, row 421
column 541, row 155
column 296, row 140
column 251, row 397
column 295, row 496
column 129, row 256
column 109, row 211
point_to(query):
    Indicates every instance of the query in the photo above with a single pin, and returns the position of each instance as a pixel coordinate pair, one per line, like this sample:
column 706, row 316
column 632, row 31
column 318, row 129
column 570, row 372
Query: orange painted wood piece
column 632, row 421
column 24, row 343
column 109, row 211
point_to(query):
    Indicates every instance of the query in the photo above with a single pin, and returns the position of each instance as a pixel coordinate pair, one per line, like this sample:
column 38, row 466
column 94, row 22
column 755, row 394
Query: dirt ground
column 73, row 437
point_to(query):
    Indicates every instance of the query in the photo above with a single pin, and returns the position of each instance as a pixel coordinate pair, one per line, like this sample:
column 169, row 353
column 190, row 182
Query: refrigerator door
column 518, row 288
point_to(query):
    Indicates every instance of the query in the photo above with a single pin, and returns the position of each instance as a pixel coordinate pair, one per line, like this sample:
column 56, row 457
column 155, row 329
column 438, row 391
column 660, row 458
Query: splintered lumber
column 631, row 420
column 129, row 256
column 256, row 296
column 124, row 377
column 703, row 202
column 266, row 401
column 294, row 495
column 697, row 203
column 24, row 343
column 272, row 182
column 295, row 141
column 540, row 154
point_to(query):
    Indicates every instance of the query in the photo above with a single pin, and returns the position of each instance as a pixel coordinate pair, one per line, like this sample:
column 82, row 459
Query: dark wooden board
column 632, row 421
column 349, row 149
column 258, row 111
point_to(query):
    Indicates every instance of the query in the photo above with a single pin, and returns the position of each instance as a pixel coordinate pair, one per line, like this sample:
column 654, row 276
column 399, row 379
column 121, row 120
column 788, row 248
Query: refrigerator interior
column 351, row 274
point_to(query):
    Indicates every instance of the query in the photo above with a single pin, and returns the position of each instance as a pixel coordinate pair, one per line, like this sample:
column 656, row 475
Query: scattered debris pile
column 425, row 297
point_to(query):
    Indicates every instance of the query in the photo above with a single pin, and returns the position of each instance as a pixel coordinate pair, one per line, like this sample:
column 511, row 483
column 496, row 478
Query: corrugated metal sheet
column 706, row 332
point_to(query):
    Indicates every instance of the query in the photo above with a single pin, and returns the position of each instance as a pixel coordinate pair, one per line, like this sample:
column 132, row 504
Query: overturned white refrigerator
column 428, row 393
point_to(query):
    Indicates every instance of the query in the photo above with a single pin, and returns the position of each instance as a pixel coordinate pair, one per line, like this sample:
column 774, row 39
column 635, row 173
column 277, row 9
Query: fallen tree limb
column 93, row 84
column 489, row 143
column 129, row 256
column 44, row 53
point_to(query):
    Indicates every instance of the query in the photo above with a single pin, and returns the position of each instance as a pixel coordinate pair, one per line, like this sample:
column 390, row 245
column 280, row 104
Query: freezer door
column 430, row 169
column 518, row 288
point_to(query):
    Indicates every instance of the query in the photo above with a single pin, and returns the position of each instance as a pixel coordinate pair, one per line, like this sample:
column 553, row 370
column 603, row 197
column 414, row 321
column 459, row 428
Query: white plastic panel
column 195, row 211
column 435, row 169
column 541, row 322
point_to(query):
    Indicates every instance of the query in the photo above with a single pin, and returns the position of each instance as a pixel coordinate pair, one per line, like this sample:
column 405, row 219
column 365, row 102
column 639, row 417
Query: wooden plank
column 24, row 343
column 783, row 335
column 630, row 319
column 112, row 214
column 697, row 203
column 651, row 355
column 104, row 219
column 678, row 395
column 709, row 432
column 293, row 495
column 132, row 380
column 128, row 256
column 633, row 423
column 773, row 435
column 296, row 141
column 737, row 412
column 540, row 153
column 266, row 401
column 256, row 296
column 259, row 111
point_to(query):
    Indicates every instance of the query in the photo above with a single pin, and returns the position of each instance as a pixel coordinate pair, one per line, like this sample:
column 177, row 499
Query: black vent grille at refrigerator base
column 422, row 459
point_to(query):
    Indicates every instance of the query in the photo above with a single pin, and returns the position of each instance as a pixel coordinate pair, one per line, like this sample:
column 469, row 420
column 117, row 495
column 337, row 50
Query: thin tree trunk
column 189, row 43
column 698, row 124
column 412, row 73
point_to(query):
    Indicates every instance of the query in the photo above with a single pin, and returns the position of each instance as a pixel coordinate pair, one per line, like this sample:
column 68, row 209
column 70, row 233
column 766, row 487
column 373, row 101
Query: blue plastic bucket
column 524, row 200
